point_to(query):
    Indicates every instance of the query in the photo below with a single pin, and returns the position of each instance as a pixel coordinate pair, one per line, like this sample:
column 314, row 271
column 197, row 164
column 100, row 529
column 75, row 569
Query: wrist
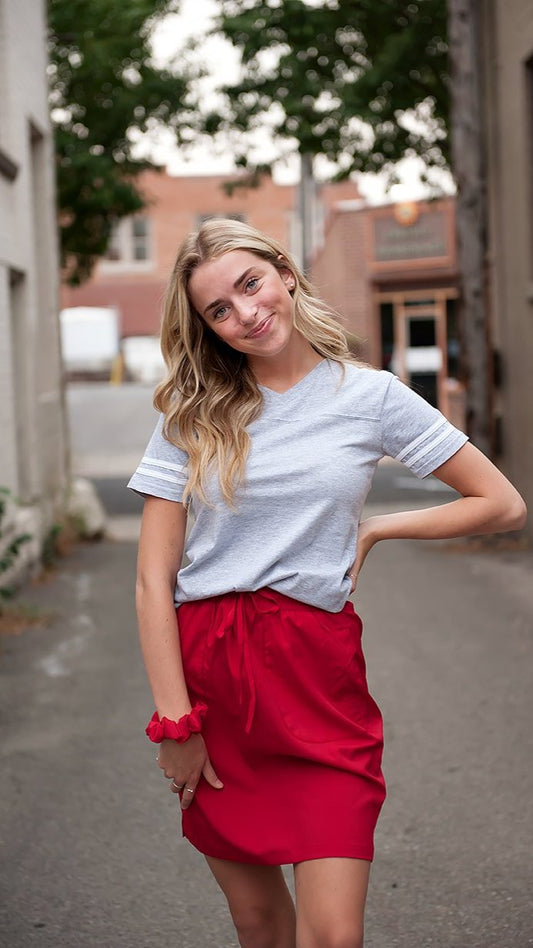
column 368, row 533
column 160, row 729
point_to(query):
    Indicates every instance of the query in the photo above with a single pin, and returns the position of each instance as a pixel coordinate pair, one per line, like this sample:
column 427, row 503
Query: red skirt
column 291, row 730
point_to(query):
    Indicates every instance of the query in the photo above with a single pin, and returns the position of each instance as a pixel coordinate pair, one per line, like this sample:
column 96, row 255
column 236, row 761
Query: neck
column 281, row 371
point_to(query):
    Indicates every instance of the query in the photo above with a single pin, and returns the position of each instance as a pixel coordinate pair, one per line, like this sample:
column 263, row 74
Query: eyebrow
column 237, row 283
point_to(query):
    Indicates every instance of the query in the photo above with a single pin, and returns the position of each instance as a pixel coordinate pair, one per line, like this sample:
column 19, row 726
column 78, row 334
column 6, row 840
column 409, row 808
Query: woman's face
column 246, row 301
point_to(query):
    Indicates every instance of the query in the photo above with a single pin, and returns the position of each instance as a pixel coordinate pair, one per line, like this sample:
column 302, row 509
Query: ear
column 288, row 278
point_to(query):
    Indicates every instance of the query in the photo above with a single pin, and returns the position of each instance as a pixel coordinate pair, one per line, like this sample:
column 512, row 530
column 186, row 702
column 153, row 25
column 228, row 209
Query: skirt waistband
column 236, row 613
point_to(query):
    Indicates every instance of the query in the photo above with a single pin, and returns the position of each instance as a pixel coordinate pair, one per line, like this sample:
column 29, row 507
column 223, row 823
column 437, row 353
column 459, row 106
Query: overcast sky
column 193, row 21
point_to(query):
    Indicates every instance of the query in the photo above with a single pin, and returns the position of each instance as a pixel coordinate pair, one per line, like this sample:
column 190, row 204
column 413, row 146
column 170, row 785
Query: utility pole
column 306, row 209
column 467, row 141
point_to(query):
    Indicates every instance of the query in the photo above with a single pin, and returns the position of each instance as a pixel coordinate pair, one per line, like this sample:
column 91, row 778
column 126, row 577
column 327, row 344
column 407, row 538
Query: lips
column 261, row 328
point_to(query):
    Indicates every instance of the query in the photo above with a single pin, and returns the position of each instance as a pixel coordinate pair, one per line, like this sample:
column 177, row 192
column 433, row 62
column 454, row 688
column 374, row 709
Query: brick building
column 391, row 272
column 134, row 274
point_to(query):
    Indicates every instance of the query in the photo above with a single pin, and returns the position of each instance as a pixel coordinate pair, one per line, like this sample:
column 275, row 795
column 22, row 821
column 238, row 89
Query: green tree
column 104, row 90
column 366, row 83
column 363, row 83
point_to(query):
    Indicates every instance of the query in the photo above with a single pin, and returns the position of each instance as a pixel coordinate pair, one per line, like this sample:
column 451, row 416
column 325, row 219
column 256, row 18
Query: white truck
column 90, row 340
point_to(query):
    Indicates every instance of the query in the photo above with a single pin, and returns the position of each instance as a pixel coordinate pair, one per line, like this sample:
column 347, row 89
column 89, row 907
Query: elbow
column 520, row 514
column 150, row 589
column 140, row 588
column 514, row 515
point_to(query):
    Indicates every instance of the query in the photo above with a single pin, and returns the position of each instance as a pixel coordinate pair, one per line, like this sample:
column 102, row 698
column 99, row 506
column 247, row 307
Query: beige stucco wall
column 32, row 418
column 508, row 44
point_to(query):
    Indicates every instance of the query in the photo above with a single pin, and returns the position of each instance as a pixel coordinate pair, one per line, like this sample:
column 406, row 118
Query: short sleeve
column 163, row 469
column 414, row 432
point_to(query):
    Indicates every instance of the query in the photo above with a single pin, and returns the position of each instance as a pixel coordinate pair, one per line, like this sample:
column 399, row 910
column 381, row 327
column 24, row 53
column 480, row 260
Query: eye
column 220, row 312
column 252, row 283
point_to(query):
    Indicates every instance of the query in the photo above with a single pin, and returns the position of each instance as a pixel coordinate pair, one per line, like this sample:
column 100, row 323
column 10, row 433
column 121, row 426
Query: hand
column 185, row 764
column 366, row 538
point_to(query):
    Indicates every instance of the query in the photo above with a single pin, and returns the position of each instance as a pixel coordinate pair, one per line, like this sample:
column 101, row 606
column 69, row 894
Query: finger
column 187, row 796
column 211, row 776
column 176, row 786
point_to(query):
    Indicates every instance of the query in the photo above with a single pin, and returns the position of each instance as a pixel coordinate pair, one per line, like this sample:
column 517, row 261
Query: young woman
column 269, row 436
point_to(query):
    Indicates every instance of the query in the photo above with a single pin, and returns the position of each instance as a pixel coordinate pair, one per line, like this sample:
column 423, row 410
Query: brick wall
column 176, row 205
column 348, row 276
column 339, row 273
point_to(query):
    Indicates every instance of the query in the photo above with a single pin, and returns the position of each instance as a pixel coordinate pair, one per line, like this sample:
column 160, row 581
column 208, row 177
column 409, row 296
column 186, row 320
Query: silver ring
column 188, row 790
column 177, row 785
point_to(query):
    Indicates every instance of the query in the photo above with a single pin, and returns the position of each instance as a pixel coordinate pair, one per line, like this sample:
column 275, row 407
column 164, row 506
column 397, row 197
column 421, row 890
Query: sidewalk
column 93, row 857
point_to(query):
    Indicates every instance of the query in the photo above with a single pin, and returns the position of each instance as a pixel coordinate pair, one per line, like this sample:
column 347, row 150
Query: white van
column 90, row 340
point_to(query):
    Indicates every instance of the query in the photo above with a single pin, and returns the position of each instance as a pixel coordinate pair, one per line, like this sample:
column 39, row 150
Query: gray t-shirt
column 314, row 450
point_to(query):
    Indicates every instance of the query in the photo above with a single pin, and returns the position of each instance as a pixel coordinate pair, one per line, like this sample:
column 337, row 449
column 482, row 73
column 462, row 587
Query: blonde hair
column 209, row 395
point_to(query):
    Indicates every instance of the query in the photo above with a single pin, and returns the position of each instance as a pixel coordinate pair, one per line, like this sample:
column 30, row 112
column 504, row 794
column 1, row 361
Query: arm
column 160, row 553
column 161, row 545
column 489, row 504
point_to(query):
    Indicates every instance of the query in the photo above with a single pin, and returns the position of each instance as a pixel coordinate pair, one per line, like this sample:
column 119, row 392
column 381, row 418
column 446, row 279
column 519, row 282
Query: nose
column 247, row 312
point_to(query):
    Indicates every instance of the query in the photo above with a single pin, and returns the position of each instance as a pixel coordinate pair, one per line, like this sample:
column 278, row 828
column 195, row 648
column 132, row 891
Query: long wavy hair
column 210, row 395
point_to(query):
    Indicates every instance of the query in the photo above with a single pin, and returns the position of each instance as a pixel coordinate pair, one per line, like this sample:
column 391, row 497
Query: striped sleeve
column 415, row 433
column 162, row 471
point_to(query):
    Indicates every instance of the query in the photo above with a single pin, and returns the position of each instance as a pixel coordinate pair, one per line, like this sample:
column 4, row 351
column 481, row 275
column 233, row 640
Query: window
column 129, row 245
column 452, row 339
column 421, row 331
column 387, row 334
column 140, row 238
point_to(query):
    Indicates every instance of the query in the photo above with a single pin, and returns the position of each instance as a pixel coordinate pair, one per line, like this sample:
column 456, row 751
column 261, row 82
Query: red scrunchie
column 160, row 728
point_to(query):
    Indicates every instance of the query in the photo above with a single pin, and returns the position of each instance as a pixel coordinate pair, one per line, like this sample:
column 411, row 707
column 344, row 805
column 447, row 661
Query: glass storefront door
column 423, row 358
column 418, row 333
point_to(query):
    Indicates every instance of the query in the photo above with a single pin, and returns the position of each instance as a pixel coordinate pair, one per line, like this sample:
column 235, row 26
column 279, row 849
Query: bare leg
column 259, row 901
column 330, row 902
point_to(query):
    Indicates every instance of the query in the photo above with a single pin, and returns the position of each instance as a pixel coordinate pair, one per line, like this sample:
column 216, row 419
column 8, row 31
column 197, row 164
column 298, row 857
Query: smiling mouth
column 257, row 330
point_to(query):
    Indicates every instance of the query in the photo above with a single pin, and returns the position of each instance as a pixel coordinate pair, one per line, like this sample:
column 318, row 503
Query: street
column 92, row 851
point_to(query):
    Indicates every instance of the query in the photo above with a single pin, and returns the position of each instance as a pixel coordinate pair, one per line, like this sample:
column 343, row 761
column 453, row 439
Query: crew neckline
column 292, row 388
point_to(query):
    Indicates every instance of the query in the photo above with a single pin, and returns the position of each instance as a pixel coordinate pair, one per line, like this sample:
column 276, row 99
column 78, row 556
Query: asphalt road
column 92, row 854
